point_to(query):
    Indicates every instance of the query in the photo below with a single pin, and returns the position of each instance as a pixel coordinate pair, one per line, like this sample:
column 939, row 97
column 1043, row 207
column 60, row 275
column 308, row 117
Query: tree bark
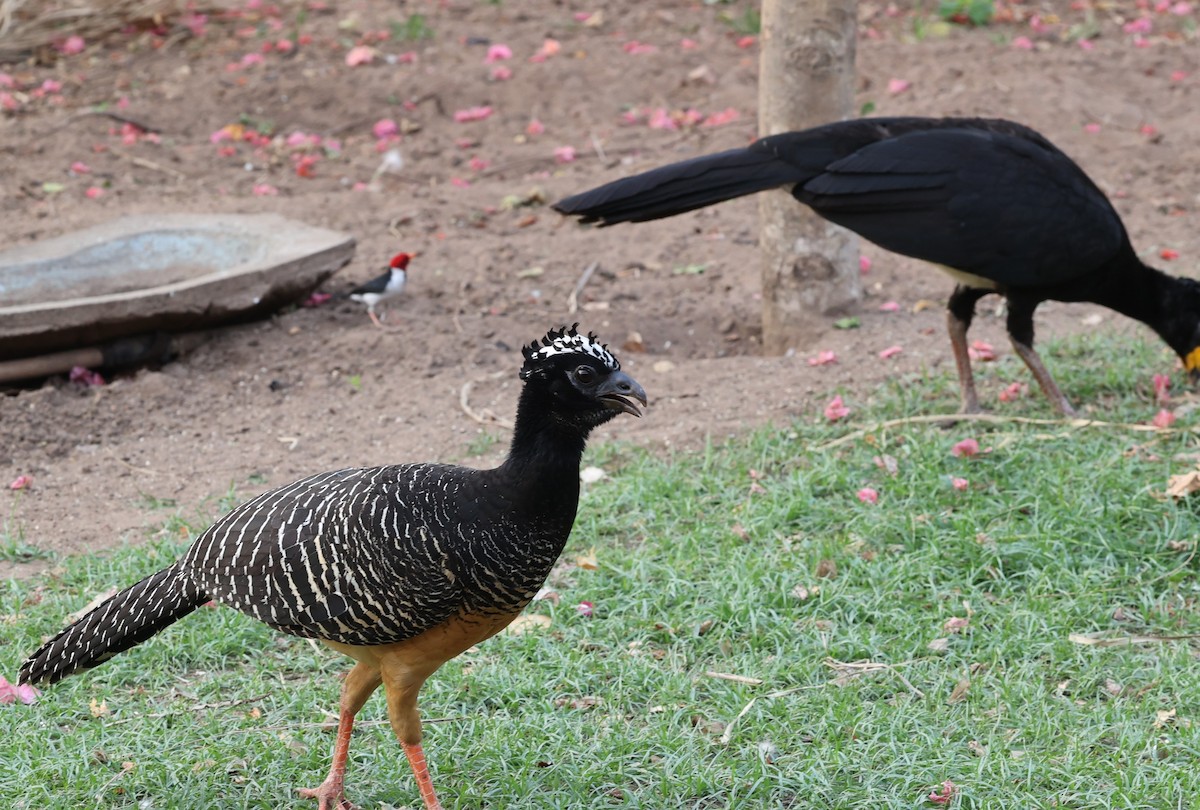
column 806, row 77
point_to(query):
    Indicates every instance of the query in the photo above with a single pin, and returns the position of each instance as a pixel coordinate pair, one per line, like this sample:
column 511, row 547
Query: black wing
column 1005, row 206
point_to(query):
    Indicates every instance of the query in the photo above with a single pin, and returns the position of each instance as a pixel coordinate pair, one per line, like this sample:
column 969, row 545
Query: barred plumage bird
column 401, row 568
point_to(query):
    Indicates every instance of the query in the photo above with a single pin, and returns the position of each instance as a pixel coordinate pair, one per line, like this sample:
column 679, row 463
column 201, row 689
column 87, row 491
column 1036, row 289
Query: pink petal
column 747, row 41
column 1169, row 254
column 947, row 793
column 498, row 53
column 6, row 80
column 27, row 693
column 1022, row 44
column 472, row 114
column 1142, row 25
column 264, row 190
column 86, row 376
column 252, row 59
column 1013, row 392
column 79, row 167
column 1163, row 419
column 661, row 119
column 636, row 48
column 890, row 351
column 1092, row 128
column 836, row 409
column 8, row 692
column 688, row 44
column 460, row 182
column 72, row 45
column 564, row 154
column 864, row 264
column 94, row 192
column 385, row 128
column 585, row 609
column 1181, row 9
column 478, row 164
column 725, row 116
column 316, row 299
column 889, row 306
column 1176, row 75
column 1086, row 44
column 359, row 55
column 981, row 351
column 897, row 86
column 535, row 127
column 965, row 449
column 960, row 484
column 500, row 73
column 867, row 495
column 21, row 482
column 1162, row 386
column 822, row 358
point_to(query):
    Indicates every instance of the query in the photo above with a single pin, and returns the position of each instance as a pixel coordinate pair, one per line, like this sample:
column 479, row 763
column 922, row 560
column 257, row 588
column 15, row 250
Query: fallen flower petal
column 27, row 693
column 497, row 53
column 965, row 449
column 956, row 624
column 472, row 114
column 867, row 495
column 359, row 55
column 535, row 127
column 500, row 73
column 945, row 795
column 1163, row 419
column 890, row 351
column 864, row 264
column 264, row 190
column 822, row 358
column 79, row 167
column 981, row 351
column 385, row 128
column 564, row 154
column 21, row 482
column 316, row 299
column 585, row 609
column 897, row 86
column 889, row 306
column 960, row 484
column 86, row 376
column 1162, row 386
column 93, row 192
column 1022, row 44
column 836, row 409
column 1014, row 392
column 1169, row 254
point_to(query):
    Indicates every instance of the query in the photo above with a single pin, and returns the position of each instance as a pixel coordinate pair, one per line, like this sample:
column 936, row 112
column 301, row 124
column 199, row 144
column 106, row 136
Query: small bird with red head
column 383, row 287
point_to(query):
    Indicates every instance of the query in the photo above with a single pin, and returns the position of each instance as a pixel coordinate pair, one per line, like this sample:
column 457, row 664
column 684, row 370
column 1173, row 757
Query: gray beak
column 621, row 392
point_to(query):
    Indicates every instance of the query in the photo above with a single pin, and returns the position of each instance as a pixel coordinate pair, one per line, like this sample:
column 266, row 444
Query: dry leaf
column 803, row 592
column 976, row 748
column 939, row 644
column 826, row 569
column 925, row 303
column 1184, row 484
column 98, row 709
column 959, row 693
column 527, row 622
column 582, row 702
column 588, row 561
column 1098, row 639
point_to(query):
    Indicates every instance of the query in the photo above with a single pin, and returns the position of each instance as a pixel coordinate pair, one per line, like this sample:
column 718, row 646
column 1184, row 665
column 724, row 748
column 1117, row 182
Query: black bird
column 992, row 202
column 401, row 568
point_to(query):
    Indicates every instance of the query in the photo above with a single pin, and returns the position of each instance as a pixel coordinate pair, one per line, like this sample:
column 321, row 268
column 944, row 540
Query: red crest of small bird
column 400, row 261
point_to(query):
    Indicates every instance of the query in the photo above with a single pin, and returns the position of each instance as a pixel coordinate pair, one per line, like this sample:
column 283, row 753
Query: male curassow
column 401, row 567
column 992, row 202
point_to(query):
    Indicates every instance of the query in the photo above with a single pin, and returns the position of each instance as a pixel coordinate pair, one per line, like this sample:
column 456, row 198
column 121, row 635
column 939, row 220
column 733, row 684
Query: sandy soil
column 317, row 388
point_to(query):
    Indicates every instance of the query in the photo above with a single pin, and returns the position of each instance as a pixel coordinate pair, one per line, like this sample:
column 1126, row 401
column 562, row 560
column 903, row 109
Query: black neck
column 1166, row 304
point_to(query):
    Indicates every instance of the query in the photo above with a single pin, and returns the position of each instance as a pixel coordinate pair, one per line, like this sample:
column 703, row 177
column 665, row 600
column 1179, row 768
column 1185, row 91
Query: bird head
column 1181, row 325
column 582, row 377
column 400, row 261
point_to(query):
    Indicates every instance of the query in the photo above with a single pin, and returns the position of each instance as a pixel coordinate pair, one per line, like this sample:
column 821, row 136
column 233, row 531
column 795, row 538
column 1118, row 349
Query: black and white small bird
column 383, row 287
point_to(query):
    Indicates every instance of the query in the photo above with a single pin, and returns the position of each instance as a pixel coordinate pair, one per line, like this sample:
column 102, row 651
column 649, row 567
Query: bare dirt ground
column 317, row 388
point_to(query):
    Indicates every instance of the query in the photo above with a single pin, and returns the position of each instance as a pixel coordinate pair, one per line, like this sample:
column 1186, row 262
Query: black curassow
column 992, row 202
column 401, row 568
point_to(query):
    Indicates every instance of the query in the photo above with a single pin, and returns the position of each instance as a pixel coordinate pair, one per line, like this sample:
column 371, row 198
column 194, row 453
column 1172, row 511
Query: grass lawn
column 876, row 650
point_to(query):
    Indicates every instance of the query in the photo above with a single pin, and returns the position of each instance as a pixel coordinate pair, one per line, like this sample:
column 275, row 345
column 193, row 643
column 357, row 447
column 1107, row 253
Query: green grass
column 701, row 566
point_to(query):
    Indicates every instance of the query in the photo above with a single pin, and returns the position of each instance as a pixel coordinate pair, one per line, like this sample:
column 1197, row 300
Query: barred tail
column 128, row 618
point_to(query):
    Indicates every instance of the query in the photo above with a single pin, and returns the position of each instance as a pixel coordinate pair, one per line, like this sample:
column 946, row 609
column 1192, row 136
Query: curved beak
column 620, row 392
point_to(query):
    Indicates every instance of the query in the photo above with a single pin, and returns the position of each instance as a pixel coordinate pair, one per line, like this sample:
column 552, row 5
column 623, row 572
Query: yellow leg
column 359, row 684
column 402, row 684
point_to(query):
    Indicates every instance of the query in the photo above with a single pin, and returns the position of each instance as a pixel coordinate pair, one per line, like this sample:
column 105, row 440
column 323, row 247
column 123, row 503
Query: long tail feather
column 128, row 618
column 679, row 187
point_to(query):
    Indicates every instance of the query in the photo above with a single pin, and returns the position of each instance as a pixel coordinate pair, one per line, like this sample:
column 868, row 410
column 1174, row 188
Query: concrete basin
column 170, row 272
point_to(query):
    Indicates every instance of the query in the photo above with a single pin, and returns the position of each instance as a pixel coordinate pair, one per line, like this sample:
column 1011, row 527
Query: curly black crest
column 566, row 341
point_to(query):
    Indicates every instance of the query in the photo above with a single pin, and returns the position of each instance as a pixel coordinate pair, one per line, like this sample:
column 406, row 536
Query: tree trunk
column 806, row 77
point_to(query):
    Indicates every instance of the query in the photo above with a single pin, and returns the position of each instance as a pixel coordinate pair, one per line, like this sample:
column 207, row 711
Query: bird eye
column 585, row 374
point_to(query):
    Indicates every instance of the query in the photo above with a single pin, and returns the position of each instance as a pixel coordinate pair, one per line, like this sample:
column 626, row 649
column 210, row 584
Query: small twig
column 596, row 145
column 1070, row 422
column 484, row 417
column 150, row 164
column 728, row 733
column 224, row 704
column 726, row 676
column 573, row 298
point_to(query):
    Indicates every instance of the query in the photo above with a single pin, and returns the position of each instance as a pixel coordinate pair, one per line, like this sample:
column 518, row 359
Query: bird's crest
column 400, row 261
column 565, row 341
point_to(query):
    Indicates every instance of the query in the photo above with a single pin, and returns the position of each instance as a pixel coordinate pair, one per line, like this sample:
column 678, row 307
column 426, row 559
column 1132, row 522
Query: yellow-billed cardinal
column 383, row 287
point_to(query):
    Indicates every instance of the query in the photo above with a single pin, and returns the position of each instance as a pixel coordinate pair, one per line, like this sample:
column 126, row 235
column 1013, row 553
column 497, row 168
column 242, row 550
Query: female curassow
column 992, row 202
column 401, row 568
